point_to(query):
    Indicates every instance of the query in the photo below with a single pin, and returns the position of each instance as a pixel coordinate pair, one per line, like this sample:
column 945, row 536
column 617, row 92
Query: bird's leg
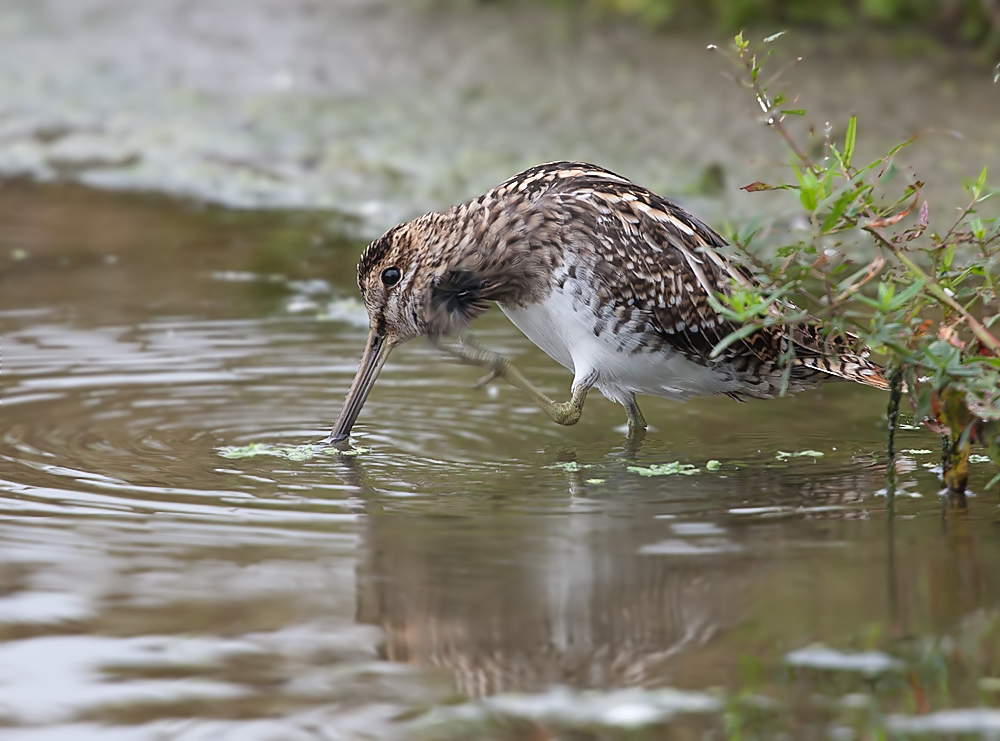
column 636, row 422
column 500, row 366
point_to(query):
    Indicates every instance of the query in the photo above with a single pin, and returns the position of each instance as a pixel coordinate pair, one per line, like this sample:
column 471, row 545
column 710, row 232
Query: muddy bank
column 380, row 110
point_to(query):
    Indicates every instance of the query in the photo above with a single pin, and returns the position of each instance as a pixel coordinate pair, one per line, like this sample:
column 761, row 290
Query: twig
column 874, row 268
column 776, row 122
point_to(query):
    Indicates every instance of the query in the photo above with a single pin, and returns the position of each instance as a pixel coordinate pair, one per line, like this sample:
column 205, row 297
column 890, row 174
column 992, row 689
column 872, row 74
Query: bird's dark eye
column 391, row 276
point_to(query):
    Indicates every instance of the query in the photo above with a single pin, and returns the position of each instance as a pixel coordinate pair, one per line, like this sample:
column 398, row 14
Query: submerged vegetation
column 925, row 294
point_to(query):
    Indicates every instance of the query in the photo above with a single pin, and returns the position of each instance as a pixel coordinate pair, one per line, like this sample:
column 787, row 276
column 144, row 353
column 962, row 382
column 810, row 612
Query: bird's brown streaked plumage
column 610, row 279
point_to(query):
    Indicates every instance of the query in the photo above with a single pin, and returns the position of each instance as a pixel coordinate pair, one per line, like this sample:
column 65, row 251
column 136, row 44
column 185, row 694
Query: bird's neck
column 510, row 253
column 485, row 255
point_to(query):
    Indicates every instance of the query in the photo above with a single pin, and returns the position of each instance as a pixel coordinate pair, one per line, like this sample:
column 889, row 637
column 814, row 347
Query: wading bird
column 612, row 281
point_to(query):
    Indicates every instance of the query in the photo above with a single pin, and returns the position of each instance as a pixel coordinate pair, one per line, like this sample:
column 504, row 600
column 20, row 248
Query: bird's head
column 433, row 276
column 392, row 288
column 393, row 282
column 413, row 283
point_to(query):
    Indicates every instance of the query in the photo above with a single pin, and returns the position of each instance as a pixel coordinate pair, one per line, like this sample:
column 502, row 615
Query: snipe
column 611, row 280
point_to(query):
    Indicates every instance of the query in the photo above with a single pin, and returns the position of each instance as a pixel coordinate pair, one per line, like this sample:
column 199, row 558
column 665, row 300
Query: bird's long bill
column 376, row 352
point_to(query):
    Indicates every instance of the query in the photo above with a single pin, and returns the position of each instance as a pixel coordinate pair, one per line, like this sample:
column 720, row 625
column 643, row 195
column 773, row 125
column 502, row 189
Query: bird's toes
column 487, row 379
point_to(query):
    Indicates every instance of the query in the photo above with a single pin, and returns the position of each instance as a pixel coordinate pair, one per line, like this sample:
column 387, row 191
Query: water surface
column 474, row 566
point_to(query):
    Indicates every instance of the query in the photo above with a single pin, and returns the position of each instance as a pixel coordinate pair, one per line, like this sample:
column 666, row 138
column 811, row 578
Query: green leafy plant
column 925, row 298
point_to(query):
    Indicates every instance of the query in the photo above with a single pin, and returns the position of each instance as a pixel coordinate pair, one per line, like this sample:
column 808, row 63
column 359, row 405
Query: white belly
column 553, row 326
column 567, row 336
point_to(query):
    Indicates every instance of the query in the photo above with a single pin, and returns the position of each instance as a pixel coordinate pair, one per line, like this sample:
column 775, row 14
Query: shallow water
column 473, row 566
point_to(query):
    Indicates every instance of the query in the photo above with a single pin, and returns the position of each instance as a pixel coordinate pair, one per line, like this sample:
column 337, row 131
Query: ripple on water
column 128, row 420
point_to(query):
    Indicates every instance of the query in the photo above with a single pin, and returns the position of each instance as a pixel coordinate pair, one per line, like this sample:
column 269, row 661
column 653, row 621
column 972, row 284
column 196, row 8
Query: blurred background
column 185, row 188
column 381, row 110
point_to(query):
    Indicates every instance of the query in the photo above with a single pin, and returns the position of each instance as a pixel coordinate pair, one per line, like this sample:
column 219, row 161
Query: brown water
column 152, row 589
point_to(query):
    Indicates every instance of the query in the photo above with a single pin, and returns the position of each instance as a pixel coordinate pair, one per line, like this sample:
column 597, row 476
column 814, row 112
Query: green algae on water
column 665, row 469
column 288, row 452
column 674, row 468
column 571, row 466
column 783, row 455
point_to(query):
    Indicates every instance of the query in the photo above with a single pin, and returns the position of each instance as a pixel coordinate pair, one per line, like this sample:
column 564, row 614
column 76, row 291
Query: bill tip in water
column 333, row 439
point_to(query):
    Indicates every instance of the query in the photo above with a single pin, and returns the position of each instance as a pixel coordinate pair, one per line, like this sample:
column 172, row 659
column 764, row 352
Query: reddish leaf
column 890, row 220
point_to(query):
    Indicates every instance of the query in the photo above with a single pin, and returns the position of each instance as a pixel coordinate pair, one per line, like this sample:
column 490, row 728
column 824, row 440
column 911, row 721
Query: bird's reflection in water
column 525, row 603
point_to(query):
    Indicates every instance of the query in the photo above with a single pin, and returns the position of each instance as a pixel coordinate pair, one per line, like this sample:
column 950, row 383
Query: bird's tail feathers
column 849, row 367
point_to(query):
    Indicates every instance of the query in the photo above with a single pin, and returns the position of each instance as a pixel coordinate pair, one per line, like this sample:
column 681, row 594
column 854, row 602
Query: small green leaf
column 838, row 208
column 794, row 112
column 809, row 188
column 980, row 184
column 827, row 181
column 949, row 255
column 774, row 36
column 900, row 300
column 850, row 139
column 895, row 149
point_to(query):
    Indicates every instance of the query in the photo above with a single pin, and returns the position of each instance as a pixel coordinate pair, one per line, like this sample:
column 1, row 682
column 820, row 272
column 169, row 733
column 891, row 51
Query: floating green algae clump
column 674, row 468
column 665, row 469
column 571, row 466
column 782, row 455
column 288, row 452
